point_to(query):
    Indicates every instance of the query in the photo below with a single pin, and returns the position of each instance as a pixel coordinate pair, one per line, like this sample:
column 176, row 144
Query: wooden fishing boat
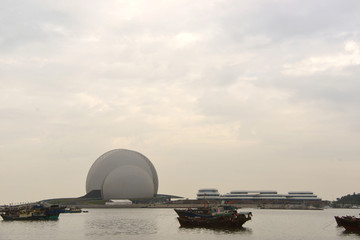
column 212, row 217
column 31, row 212
column 350, row 223
column 340, row 220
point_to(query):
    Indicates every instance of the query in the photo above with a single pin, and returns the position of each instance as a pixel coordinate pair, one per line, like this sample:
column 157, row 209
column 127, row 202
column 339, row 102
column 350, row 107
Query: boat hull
column 341, row 220
column 351, row 224
column 212, row 223
column 31, row 212
column 203, row 217
column 30, row 218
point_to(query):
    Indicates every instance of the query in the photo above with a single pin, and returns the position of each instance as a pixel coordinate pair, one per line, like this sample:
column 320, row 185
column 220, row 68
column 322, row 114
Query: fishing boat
column 212, row 217
column 339, row 220
column 31, row 212
column 350, row 223
column 71, row 210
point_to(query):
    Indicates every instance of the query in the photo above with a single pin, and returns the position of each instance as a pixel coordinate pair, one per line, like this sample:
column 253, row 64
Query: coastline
column 239, row 206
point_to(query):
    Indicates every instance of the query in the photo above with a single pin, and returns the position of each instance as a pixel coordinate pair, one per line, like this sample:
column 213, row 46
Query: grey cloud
column 281, row 20
column 28, row 22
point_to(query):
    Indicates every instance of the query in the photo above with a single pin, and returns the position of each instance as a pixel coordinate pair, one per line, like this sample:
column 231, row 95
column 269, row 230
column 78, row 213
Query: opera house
column 122, row 174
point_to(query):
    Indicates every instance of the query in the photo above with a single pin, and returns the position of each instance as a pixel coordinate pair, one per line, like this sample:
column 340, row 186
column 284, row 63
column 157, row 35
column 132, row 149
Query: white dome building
column 123, row 174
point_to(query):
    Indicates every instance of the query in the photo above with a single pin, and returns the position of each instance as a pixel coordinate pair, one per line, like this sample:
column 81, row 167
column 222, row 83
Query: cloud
column 183, row 39
column 335, row 62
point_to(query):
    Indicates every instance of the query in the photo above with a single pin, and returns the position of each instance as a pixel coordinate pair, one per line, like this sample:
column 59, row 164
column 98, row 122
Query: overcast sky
column 235, row 95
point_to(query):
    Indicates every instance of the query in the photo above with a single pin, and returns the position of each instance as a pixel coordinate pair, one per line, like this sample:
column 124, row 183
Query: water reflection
column 162, row 224
column 349, row 233
column 120, row 226
column 242, row 230
column 51, row 224
column 27, row 229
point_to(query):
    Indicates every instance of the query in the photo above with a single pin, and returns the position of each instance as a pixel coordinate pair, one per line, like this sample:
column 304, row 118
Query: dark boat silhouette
column 212, row 217
column 350, row 223
column 31, row 212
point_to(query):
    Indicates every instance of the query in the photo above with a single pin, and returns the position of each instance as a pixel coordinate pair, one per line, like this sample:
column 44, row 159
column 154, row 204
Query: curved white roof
column 123, row 174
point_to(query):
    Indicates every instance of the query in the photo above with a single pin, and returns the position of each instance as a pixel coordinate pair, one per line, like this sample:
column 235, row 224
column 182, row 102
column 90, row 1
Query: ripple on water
column 122, row 226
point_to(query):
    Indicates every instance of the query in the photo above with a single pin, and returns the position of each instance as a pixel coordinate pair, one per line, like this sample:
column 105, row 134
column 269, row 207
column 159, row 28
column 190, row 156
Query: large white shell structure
column 123, row 174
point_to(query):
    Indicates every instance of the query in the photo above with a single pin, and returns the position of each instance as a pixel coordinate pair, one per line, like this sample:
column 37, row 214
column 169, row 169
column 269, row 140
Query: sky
column 233, row 95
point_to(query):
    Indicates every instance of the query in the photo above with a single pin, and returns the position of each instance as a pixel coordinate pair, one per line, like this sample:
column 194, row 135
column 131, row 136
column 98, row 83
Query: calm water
column 162, row 224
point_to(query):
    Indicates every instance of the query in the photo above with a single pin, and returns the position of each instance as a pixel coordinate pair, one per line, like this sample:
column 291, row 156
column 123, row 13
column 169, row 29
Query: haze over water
column 235, row 95
column 161, row 224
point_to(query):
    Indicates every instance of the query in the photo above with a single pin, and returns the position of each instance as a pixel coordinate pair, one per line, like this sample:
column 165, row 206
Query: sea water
column 150, row 223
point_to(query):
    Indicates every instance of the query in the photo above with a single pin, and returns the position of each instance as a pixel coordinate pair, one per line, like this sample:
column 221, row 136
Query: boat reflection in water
column 223, row 216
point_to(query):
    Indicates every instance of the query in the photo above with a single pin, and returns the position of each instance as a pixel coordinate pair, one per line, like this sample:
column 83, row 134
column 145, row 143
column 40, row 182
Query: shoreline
column 239, row 206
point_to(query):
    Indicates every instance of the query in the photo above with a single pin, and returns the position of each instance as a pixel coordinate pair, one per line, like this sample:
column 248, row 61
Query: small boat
column 212, row 217
column 31, row 212
column 350, row 223
column 72, row 210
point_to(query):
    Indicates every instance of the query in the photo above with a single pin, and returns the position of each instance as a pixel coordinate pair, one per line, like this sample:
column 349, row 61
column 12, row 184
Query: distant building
column 259, row 196
column 270, row 197
column 208, row 193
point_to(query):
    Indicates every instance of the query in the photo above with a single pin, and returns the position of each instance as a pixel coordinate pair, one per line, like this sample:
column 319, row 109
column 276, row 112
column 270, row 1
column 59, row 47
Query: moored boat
column 350, row 223
column 31, row 212
column 212, row 217
column 72, row 210
column 340, row 220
